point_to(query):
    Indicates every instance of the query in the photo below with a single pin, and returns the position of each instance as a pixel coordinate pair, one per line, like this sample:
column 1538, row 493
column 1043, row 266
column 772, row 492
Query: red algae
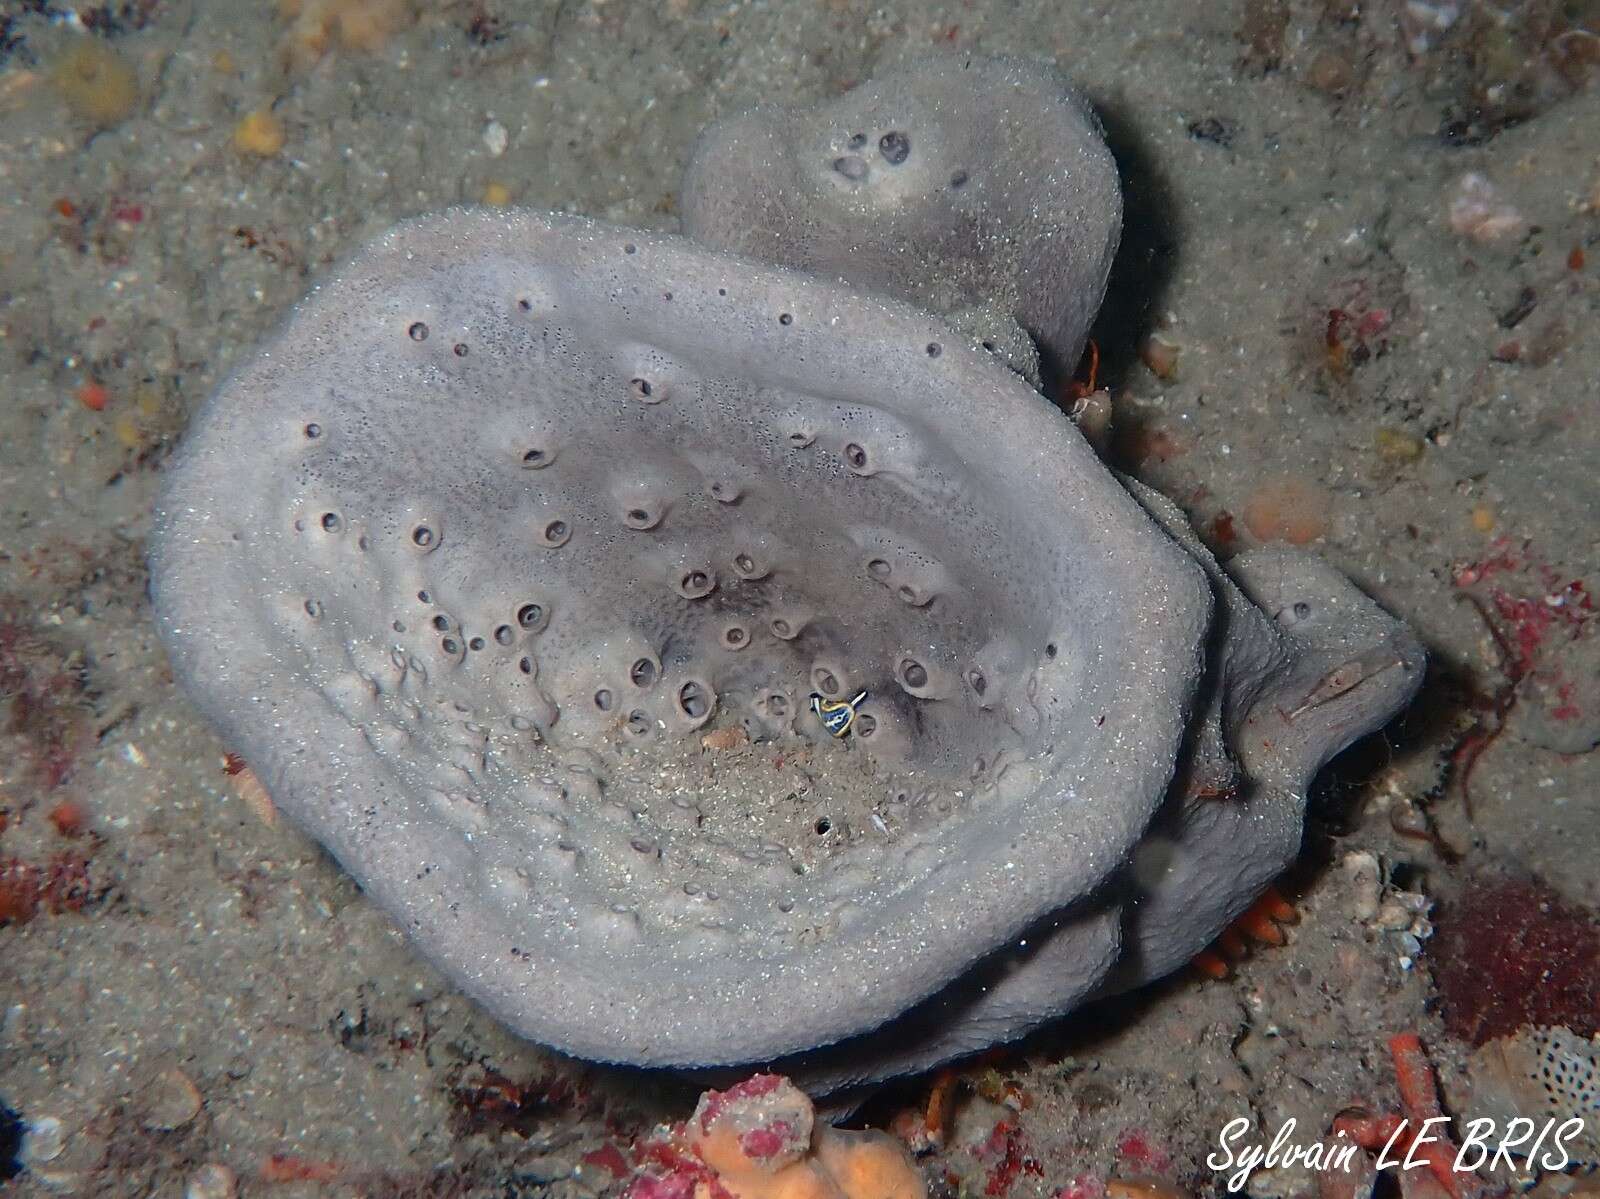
column 1006, row 1154
column 1509, row 953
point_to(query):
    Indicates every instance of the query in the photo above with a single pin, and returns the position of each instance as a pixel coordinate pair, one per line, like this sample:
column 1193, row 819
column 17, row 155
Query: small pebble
column 1143, row 1188
column 1393, row 915
column 1408, row 820
column 1397, row 446
column 1331, row 72
column 211, row 1181
column 1366, row 880
column 171, row 1101
column 260, row 134
column 1477, row 212
column 728, row 738
column 43, row 1141
column 1161, row 356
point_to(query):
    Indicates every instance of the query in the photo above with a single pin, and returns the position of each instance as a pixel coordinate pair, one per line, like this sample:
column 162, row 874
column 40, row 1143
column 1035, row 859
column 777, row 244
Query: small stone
column 211, row 1181
column 728, row 738
column 495, row 138
column 1092, row 414
column 1366, row 881
column 1161, row 356
column 1213, row 130
column 1397, row 446
column 1424, row 22
column 1409, row 821
column 260, row 134
column 43, row 1141
column 171, row 1101
column 1143, row 1188
column 1477, row 212
column 1392, row 916
column 1331, row 72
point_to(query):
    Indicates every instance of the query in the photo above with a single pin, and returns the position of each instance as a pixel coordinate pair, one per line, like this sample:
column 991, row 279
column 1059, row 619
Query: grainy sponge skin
column 977, row 187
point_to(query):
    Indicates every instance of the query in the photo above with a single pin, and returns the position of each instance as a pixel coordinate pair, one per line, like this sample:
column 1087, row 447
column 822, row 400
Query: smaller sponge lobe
column 979, row 188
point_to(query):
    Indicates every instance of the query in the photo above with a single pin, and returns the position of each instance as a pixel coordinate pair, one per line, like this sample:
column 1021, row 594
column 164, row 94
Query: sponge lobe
column 516, row 505
column 979, row 188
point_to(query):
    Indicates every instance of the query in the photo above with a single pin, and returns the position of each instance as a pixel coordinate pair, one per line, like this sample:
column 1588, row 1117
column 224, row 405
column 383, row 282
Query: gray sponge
column 978, row 188
column 516, row 510
column 454, row 564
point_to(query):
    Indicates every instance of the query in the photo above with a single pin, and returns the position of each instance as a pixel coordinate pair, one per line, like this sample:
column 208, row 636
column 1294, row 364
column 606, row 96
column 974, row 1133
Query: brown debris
column 723, row 739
